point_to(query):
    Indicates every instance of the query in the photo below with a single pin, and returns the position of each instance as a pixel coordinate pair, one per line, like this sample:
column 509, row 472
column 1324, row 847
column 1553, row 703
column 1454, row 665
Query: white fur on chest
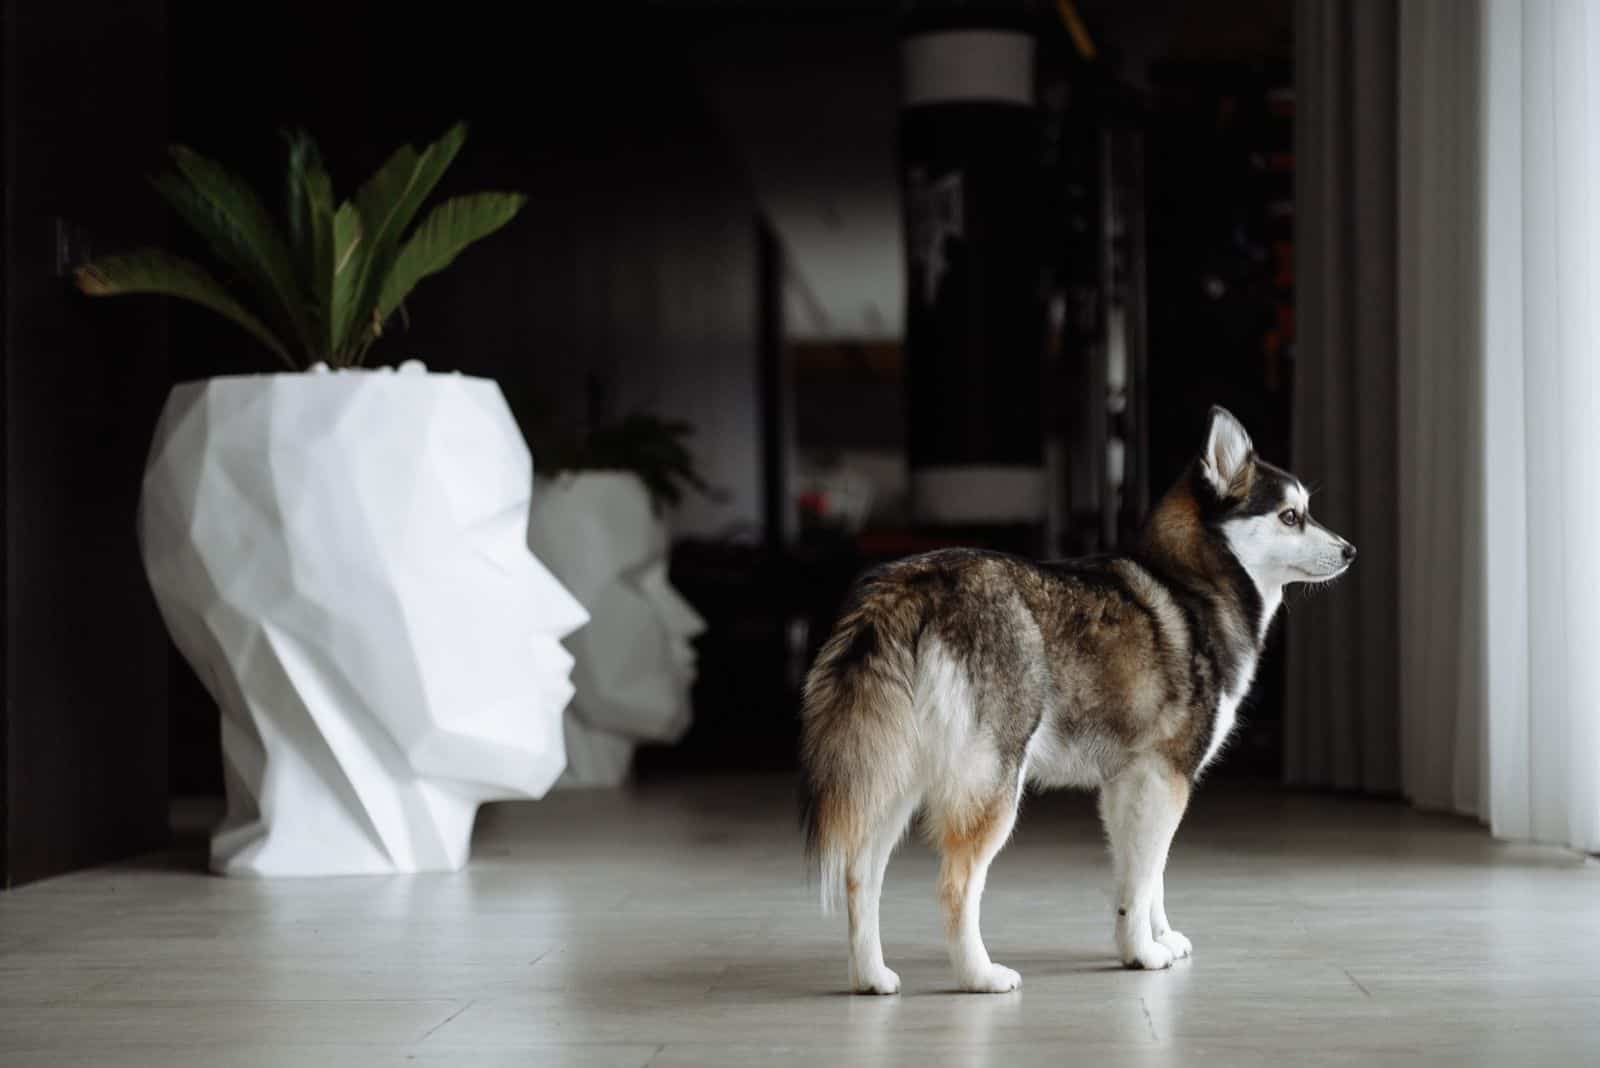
column 1228, row 704
column 1227, row 717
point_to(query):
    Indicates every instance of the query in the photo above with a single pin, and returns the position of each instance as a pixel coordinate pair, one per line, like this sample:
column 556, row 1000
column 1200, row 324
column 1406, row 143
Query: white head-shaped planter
column 342, row 558
column 634, row 661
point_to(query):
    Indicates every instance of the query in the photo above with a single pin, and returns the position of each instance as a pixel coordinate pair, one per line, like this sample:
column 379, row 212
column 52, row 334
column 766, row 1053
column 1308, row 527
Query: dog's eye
column 1290, row 517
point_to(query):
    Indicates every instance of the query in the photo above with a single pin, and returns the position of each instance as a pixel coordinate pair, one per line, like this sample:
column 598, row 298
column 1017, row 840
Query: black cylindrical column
column 969, row 170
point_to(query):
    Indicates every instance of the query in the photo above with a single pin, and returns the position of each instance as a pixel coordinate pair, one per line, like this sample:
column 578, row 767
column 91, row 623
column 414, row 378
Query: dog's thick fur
column 954, row 678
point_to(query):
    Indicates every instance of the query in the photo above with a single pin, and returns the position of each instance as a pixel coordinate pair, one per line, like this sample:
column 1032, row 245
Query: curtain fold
column 1454, row 164
column 1342, row 721
column 1499, row 407
column 1441, row 643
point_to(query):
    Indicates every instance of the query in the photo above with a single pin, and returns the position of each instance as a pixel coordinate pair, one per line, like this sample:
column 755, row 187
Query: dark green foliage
column 320, row 285
column 653, row 448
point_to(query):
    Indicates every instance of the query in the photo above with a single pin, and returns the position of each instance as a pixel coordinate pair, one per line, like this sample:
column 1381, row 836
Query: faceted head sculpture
column 342, row 558
column 635, row 661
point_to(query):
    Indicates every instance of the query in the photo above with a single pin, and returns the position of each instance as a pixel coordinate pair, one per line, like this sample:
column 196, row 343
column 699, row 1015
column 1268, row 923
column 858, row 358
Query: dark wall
column 85, row 718
column 634, row 264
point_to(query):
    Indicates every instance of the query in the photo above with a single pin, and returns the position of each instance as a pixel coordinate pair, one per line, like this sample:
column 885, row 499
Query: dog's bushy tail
column 857, row 733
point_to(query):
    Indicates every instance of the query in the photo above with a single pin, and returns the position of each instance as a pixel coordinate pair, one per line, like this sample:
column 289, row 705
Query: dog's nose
column 1349, row 552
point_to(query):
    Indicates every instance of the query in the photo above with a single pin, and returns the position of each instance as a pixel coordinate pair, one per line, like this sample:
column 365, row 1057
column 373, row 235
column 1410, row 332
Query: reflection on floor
column 672, row 925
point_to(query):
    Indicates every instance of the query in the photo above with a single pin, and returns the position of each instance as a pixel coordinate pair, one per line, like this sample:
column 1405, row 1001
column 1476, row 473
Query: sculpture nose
column 1349, row 552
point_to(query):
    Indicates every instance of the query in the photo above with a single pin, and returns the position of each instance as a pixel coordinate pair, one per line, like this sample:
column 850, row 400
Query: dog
column 955, row 678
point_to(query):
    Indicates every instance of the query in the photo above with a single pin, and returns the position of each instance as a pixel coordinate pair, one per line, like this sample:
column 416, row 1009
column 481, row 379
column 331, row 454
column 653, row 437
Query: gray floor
column 672, row 926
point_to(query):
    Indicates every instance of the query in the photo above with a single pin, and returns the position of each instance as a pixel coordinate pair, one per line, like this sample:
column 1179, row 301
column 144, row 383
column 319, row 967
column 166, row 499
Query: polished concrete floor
column 672, row 925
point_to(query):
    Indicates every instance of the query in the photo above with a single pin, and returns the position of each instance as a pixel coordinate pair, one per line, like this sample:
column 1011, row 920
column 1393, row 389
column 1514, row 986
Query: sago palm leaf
column 309, row 202
column 229, row 215
column 347, row 240
column 387, row 204
column 323, row 287
column 154, row 271
column 448, row 229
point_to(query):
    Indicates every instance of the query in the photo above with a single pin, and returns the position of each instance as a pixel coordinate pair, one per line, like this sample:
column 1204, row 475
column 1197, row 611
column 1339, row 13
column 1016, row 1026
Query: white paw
column 1151, row 956
column 1181, row 947
column 879, row 980
column 995, row 979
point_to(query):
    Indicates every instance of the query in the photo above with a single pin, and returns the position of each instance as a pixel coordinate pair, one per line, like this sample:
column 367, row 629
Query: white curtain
column 1499, row 413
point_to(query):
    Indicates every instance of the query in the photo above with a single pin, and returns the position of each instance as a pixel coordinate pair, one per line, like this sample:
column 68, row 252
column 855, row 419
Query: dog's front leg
column 1141, row 809
column 1160, row 929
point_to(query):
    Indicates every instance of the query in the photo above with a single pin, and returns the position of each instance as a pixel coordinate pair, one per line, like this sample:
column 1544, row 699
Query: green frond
column 225, row 211
column 448, row 229
column 154, row 271
column 387, row 205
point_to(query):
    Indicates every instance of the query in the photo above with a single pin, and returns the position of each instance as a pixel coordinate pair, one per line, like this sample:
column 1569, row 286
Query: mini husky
column 956, row 677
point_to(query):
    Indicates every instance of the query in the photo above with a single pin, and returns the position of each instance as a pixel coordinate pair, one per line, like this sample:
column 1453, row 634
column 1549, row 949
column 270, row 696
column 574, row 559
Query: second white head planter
column 634, row 660
column 343, row 560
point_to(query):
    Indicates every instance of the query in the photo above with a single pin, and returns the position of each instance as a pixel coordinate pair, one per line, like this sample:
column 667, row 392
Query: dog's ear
column 1227, row 458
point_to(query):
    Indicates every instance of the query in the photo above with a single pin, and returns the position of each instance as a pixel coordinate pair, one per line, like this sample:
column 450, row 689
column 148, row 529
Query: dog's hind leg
column 863, row 891
column 1141, row 809
column 969, row 834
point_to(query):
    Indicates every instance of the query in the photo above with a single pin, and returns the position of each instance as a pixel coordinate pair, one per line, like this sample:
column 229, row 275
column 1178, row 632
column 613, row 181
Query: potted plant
column 600, row 525
column 341, row 553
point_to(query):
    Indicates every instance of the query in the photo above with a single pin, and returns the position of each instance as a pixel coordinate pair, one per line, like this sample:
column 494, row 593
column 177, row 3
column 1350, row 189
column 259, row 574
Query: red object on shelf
column 813, row 502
